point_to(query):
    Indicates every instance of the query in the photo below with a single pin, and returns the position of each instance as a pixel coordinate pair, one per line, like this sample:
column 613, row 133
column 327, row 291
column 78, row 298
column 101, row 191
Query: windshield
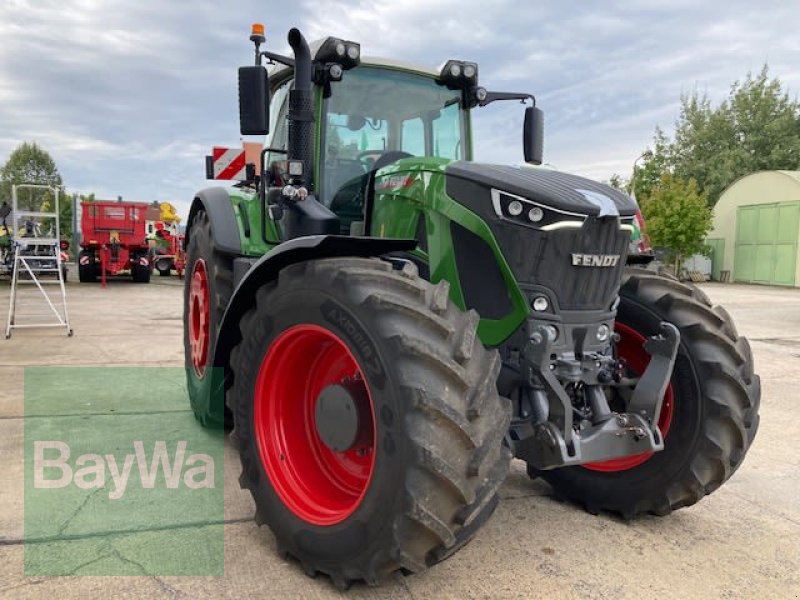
column 373, row 112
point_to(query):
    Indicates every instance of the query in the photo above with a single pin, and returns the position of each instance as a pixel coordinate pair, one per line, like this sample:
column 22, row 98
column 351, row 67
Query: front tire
column 710, row 413
column 432, row 454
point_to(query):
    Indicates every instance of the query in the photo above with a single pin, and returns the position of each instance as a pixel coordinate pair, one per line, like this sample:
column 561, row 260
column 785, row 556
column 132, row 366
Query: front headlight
column 526, row 212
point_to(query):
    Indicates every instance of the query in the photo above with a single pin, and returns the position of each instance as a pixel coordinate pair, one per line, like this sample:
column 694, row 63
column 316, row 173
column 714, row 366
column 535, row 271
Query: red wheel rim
column 199, row 300
column 631, row 348
column 319, row 485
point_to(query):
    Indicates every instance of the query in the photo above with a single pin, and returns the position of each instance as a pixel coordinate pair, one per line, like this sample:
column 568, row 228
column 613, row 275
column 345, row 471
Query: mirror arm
column 494, row 96
column 279, row 58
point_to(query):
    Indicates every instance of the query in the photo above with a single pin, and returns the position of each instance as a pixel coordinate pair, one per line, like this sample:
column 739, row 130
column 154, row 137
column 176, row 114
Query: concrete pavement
column 740, row 542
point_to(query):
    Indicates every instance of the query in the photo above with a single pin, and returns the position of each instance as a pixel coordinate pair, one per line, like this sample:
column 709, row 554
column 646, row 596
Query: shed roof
column 793, row 174
column 761, row 187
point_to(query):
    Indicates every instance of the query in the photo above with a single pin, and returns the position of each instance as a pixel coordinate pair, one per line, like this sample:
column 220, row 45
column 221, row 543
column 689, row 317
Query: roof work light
column 458, row 74
column 343, row 52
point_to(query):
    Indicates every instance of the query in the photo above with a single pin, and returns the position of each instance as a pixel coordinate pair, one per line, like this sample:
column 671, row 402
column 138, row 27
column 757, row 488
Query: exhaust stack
column 301, row 107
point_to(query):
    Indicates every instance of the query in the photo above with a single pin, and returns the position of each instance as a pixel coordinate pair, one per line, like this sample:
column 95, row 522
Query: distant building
column 757, row 229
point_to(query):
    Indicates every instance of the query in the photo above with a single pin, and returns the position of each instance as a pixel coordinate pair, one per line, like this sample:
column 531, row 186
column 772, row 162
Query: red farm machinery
column 167, row 248
column 114, row 239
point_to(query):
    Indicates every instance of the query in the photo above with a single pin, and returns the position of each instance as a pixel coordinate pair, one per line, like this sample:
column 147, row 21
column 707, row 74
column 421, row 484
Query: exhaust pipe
column 301, row 107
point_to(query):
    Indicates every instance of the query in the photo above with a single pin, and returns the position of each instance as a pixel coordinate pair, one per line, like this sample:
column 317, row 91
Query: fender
column 217, row 204
column 267, row 268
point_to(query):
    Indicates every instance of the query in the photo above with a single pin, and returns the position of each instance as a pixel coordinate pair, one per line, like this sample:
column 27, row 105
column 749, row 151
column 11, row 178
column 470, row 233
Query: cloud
column 129, row 98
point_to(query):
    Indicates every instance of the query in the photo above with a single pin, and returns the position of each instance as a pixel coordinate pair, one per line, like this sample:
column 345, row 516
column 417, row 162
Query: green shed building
column 756, row 230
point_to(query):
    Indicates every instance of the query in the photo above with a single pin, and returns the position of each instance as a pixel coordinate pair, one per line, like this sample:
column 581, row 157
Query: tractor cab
column 359, row 116
column 379, row 113
column 377, row 116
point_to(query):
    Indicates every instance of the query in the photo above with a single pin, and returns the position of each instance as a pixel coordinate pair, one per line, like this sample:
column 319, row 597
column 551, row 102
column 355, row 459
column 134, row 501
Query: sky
column 128, row 97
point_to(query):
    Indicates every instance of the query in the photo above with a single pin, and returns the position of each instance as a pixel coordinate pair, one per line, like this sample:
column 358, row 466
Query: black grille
column 544, row 258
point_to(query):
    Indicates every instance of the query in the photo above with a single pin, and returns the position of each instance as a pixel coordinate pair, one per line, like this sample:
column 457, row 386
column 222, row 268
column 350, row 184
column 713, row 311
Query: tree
column 655, row 162
column 756, row 128
column 617, row 182
column 678, row 218
column 29, row 163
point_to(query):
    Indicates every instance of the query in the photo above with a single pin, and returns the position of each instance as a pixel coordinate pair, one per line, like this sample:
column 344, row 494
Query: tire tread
column 458, row 461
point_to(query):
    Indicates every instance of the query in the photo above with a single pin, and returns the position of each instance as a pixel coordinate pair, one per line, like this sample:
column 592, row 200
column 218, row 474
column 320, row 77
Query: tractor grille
column 546, row 259
column 542, row 258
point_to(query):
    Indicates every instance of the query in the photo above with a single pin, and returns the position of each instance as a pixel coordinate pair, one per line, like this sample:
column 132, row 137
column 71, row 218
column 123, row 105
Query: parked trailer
column 113, row 240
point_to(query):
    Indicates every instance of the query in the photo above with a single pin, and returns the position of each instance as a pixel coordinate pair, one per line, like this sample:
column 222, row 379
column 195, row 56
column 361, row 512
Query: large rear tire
column 423, row 476
column 206, row 293
column 710, row 413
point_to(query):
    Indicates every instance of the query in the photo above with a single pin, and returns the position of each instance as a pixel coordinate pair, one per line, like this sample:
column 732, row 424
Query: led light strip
column 562, row 225
column 569, row 224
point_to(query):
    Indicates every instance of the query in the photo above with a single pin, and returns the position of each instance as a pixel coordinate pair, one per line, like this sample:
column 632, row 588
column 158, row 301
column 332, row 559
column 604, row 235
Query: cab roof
column 278, row 70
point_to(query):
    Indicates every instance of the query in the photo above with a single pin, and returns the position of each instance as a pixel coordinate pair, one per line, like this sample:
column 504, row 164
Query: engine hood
column 555, row 189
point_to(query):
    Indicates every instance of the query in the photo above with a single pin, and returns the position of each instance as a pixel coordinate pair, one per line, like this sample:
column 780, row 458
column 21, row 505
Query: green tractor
column 384, row 324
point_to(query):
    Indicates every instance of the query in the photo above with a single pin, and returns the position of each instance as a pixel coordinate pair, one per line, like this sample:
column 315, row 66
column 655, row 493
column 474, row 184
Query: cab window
column 375, row 115
column 412, row 138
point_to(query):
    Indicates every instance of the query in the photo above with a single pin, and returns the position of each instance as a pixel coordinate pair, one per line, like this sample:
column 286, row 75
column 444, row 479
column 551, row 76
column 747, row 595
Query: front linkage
column 547, row 434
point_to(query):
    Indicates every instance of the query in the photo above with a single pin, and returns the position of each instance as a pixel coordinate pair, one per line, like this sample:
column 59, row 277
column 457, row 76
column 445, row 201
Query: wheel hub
column 337, row 416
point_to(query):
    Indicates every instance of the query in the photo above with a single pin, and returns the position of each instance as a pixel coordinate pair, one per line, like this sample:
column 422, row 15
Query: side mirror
column 253, row 100
column 533, row 135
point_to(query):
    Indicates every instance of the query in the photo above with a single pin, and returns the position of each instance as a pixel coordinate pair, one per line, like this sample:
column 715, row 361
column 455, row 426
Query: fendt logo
column 595, row 260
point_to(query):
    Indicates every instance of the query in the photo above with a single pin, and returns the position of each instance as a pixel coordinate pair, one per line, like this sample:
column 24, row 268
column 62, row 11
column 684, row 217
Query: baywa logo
column 119, row 477
column 53, row 469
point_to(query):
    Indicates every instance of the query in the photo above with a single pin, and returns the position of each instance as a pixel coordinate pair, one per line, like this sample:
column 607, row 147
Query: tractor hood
column 557, row 190
column 544, row 223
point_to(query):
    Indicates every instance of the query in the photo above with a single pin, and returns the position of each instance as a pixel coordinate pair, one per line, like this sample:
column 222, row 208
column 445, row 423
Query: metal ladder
column 36, row 254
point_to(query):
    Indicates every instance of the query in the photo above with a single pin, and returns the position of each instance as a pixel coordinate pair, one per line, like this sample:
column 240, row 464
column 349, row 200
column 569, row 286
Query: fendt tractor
column 384, row 323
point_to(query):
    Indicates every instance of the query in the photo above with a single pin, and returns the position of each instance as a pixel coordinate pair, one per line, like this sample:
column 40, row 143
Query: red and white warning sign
column 228, row 163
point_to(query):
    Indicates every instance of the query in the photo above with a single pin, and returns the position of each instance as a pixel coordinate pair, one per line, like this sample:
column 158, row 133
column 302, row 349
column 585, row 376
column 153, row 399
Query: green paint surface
column 92, row 525
column 415, row 188
column 766, row 243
